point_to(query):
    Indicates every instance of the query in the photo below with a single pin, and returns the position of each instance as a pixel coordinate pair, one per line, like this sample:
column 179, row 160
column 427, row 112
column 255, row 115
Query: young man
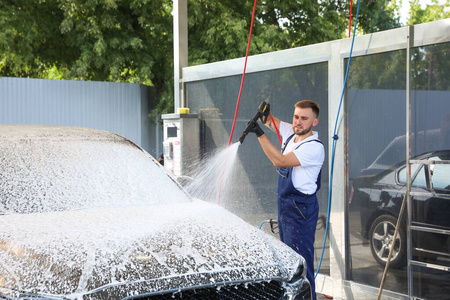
column 299, row 166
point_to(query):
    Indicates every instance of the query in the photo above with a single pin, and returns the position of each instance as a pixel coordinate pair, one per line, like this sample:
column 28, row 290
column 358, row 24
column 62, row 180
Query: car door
column 430, row 208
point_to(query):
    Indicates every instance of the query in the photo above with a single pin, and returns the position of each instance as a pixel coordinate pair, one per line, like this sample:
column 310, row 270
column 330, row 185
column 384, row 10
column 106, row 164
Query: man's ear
column 316, row 121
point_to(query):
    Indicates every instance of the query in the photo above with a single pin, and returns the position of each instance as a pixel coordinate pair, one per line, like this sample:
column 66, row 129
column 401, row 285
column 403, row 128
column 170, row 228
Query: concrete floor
column 365, row 270
column 323, row 297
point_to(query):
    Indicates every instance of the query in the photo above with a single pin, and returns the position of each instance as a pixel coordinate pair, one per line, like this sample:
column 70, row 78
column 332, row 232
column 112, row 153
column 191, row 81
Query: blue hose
column 260, row 226
column 335, row 137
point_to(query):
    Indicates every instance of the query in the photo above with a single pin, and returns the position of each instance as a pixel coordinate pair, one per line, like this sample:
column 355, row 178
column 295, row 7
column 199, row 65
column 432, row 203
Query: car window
column 42, row 175
column 441, row 175
column 418, row 181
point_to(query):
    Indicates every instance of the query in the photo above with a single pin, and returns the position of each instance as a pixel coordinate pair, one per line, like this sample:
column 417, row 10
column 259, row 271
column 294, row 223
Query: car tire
column 381, row 233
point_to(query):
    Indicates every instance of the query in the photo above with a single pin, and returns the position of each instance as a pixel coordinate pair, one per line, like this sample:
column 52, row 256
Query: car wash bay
column 370, row 144
column 396, row 90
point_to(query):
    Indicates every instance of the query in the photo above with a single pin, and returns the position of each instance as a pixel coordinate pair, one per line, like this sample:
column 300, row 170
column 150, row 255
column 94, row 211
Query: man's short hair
column 309, row 104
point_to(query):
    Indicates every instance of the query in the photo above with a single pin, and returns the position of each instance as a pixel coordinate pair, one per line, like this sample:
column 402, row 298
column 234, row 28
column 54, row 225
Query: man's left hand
column 254, row 127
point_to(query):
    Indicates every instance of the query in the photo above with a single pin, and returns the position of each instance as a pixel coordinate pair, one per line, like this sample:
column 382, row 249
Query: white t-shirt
column 311, row 157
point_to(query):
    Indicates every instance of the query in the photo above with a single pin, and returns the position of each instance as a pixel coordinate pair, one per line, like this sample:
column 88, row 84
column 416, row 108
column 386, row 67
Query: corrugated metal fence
column 122, row 108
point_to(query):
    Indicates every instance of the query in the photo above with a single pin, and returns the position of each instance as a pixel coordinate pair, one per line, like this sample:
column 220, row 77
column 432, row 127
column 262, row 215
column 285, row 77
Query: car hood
column 126, row 251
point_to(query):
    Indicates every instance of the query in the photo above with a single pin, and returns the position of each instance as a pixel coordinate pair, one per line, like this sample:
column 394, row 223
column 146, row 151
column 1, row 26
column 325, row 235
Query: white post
column 180, row 50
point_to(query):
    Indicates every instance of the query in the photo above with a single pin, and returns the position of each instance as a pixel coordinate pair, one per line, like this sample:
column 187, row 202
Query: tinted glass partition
column 376, row 142
column 430, row 200
column 252, row 191
column 376, row 102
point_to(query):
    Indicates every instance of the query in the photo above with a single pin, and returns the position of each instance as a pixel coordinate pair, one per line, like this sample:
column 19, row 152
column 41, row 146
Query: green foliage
column 109, row 40
column 131, row 40
column 379, row 71
column 378, row 16
column 432, row 12
column 430, row 67
column 219, row 30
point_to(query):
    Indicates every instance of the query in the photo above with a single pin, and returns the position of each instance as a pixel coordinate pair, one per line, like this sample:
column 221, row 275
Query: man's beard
column 304, row 131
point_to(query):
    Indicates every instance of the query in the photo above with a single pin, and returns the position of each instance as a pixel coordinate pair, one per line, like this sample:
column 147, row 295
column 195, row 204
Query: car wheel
column 381, row 234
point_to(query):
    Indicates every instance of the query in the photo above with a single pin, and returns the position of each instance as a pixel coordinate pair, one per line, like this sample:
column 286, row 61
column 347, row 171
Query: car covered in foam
column 88, row 214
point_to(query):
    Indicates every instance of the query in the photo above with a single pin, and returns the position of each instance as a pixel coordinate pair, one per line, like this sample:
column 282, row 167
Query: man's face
column 303, row 121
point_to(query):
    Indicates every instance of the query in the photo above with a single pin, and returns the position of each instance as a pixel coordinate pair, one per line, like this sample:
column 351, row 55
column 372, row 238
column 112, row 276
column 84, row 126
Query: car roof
column 54, row 132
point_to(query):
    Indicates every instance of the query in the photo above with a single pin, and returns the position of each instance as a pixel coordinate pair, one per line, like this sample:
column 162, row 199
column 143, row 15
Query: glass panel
column 376, row 152
column 252, row 190
column 376, row 107
column 430, row 247
column 430, row 283
column 430, row 138
column 430, row 99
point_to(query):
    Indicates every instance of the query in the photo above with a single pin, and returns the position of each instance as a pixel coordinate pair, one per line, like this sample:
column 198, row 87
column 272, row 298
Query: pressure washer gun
column 262, row 113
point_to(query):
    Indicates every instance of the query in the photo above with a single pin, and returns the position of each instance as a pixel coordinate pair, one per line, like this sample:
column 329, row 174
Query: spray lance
column 262, row 113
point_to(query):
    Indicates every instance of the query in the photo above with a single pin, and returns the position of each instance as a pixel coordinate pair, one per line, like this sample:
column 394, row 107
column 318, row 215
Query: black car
column 88, row 214
column 379, row 198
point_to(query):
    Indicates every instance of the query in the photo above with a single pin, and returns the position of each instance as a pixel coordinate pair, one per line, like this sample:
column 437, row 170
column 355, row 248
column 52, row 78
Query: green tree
column 432, row 12
column 128, row 41
column 131, row 40
column 430, row 63
column 278, row 25
column 387, row 70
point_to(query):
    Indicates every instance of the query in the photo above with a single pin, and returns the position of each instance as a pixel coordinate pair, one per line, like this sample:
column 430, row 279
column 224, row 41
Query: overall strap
column 290, row 137
column 315, row 140
column 286, row 142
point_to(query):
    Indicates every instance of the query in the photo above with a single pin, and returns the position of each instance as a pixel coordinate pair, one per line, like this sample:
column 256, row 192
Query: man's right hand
column 265, row 113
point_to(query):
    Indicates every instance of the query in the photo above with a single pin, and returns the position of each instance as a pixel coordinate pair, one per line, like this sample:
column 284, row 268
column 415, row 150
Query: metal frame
column 180, row 50
column 410, row 44
column 334, row 52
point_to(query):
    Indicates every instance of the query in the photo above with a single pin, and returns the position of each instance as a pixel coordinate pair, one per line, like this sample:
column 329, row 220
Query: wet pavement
column 427, row 284
column 365, row 270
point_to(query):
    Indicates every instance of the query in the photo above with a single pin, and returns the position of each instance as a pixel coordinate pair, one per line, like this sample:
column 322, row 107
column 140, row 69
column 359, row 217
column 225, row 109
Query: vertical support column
column 337, row 232
column 180, row 50
column 409, row 45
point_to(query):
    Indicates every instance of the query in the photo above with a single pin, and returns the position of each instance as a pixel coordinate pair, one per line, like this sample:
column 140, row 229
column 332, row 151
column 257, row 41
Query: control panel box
column 181, row 142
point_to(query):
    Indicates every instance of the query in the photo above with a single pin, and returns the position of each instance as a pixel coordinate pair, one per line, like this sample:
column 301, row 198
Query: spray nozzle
column 262, row 113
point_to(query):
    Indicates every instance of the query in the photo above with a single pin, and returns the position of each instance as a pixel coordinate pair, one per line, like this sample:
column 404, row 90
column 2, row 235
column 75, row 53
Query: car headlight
column 298, row 286
column 300, row 273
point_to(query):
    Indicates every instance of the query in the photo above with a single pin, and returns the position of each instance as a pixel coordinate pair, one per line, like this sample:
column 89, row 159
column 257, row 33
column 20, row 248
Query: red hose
column 350, row 19
column 243, row 75
column 276, row 129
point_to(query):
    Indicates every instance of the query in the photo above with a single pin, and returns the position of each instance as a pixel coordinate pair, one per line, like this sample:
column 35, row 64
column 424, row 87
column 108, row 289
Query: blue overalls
column 297, row 217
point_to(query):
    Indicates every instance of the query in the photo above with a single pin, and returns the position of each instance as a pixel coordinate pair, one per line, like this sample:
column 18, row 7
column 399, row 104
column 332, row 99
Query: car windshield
column 58, row 174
